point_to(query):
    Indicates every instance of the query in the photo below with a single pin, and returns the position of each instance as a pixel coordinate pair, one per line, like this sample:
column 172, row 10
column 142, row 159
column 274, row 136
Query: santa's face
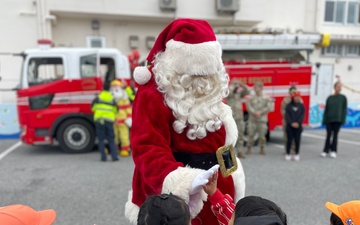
column 118, row 93
column 196, row 101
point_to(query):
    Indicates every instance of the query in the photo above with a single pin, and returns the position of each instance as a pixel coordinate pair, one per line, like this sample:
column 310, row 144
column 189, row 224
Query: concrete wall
column 67, row 32
column 18, row 23
column 345, row 34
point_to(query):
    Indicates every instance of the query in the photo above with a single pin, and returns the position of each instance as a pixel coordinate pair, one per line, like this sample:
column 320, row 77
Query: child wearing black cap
column 164, row 209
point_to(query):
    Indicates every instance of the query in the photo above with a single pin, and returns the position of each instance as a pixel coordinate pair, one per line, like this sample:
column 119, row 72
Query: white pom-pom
column 142, row 75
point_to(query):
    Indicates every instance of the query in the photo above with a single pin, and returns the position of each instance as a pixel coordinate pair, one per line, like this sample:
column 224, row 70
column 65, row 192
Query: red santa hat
column 192, row 46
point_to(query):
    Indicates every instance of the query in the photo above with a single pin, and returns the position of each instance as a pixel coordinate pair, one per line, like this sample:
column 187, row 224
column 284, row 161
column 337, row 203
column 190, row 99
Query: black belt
column 200, row 161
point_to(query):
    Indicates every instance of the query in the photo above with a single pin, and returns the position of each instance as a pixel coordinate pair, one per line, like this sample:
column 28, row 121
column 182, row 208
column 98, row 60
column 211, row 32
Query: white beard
column 196, row 101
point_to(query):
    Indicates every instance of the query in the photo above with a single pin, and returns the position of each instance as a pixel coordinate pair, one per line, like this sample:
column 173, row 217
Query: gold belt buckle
column 227, row 160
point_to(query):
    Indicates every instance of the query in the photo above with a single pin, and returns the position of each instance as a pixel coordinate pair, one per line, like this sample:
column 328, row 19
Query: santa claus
column 180, row 121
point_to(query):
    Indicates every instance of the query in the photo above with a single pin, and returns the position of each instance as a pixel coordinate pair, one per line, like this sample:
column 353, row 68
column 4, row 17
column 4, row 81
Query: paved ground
column 85, row 191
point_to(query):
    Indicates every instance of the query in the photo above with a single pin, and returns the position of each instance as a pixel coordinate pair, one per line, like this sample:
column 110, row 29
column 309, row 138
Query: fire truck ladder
column 247, row 42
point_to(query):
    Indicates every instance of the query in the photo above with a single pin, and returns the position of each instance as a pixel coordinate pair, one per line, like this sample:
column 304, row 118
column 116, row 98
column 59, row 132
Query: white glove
column 128, row 122
column 193, row 202
column 202, row 179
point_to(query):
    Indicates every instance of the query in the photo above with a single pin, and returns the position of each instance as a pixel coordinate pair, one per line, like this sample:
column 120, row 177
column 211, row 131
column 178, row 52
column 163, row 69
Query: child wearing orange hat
column 25, row 215
column 345, row 214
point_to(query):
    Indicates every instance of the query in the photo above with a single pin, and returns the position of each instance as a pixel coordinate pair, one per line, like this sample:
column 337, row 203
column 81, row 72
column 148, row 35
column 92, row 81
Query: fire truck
column 57, row 87
column 277, row 60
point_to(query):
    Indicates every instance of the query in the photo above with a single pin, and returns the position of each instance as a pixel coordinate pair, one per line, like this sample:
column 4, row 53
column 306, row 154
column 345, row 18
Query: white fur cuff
column 194, row 59
column 239, row 182
column 179, row 181
column 131, row 210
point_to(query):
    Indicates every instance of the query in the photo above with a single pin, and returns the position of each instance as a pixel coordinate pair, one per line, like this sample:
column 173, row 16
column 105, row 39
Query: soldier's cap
column 349, row 212
column 258, row 84
column 25, row 215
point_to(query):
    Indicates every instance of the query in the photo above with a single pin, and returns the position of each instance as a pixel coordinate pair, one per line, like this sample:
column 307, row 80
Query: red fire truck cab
column 278, row 61
column 55, row 93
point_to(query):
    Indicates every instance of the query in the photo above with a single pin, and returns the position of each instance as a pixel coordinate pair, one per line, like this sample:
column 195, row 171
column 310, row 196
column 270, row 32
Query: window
column 339, row 12
column 342, row 49
column 329, row 11
column 95, row 42
column 333, row 50
column 353, row 13
column 342, row 11
column 88, row 66
column 352, row 50
column 45, row 70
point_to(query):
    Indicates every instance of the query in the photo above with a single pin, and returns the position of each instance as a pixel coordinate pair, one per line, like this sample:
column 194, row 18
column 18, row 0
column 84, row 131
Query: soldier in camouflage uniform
column 258, row 107
column 284, row 103
column 238, row 90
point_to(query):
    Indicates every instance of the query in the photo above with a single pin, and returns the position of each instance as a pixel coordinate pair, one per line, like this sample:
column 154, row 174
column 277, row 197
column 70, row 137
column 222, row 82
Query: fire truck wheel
column 76, row 136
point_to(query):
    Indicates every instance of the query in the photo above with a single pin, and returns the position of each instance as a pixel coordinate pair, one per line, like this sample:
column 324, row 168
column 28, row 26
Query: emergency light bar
column 235, row 42
column 44, row 43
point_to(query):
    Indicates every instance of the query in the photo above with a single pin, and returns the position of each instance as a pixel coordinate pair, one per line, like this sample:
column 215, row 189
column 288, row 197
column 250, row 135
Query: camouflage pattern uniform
column 237, row 91
column 262, row 104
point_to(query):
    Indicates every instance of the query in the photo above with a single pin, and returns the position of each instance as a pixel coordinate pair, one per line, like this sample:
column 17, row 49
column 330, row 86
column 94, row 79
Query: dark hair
column 292, row 88
column 257, row 206
column 335, row 220
column 106, row 86
column 336, row 83
column 164, row 209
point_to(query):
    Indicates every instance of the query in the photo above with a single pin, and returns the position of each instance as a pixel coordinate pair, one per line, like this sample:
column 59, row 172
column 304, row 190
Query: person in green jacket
column 105, row 109
column 334, row 117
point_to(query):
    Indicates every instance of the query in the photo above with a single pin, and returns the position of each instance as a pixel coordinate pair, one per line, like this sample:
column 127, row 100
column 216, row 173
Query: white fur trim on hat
column 142, row 75
column 131, row 210
column 239, row 182
column 179, row 181
column 194, row 59
column 230, row 126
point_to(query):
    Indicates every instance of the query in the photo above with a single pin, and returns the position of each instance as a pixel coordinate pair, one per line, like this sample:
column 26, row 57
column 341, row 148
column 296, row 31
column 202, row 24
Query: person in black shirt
column 294, row 116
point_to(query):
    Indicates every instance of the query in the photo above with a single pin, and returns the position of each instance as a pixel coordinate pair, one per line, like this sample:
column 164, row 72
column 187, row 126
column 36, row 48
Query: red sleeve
column 222, row 206
column 150, row 138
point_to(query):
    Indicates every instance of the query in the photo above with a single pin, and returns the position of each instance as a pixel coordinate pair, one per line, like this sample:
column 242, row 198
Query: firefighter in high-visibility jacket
column 123, row 119
column 105, row 109
column 129, row 91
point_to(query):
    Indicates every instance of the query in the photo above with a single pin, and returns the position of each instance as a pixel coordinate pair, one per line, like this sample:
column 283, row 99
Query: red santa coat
column 153, row 142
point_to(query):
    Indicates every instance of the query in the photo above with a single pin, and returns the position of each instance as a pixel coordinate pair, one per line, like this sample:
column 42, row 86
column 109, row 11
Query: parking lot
column 85, row 191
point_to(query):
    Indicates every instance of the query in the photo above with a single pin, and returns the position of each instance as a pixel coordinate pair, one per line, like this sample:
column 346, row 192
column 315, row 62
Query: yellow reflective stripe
column 98, row 106
column 104, row 111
